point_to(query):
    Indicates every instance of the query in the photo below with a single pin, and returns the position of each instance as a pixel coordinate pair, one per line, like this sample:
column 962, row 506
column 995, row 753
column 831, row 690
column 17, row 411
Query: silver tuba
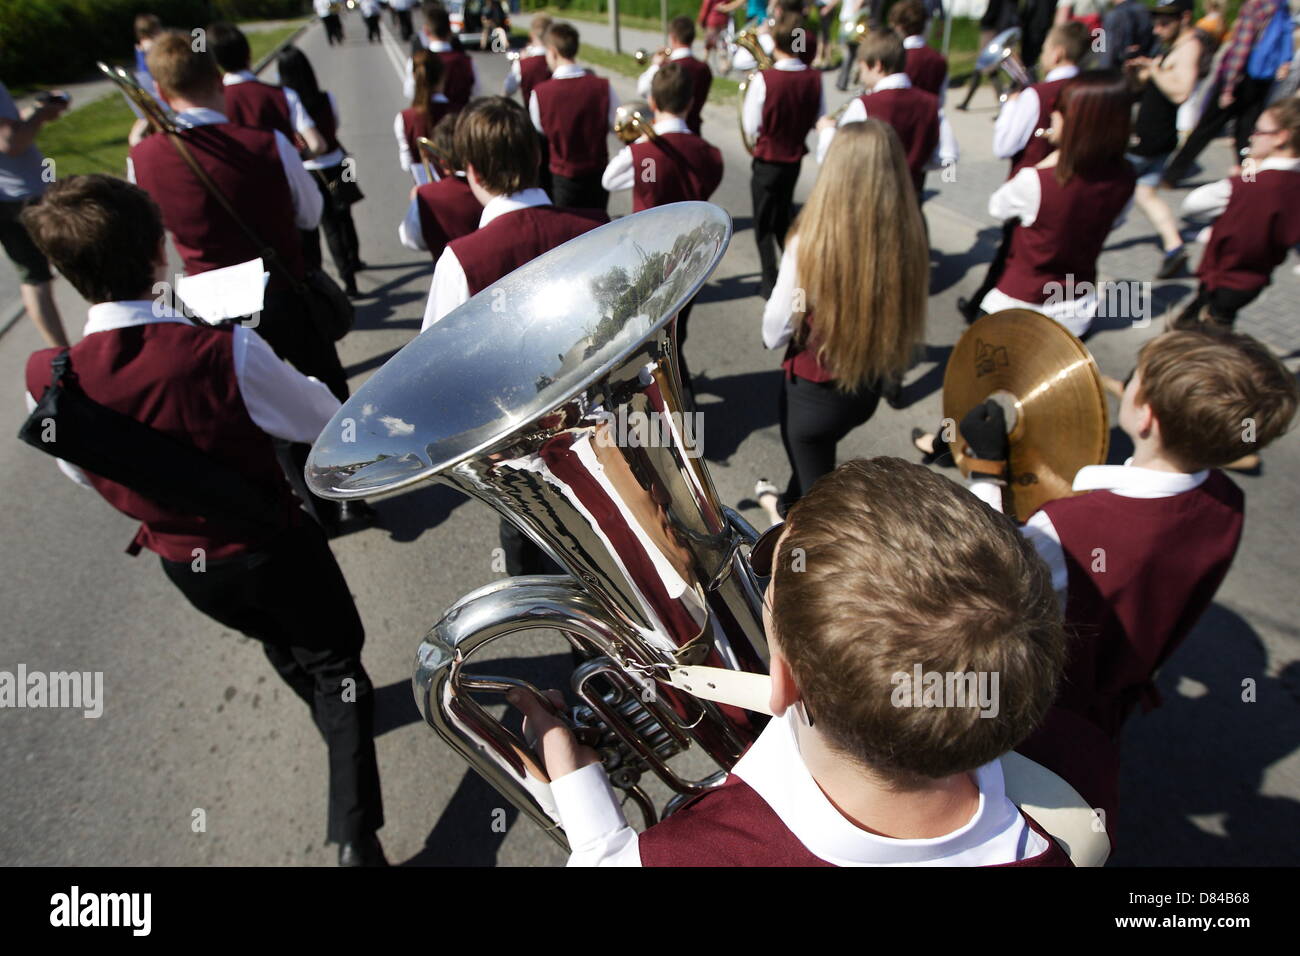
column 1000, row 53
column 553, row 396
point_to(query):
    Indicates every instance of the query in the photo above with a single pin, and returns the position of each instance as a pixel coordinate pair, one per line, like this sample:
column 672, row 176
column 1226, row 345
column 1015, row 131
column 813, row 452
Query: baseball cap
column 1173, row 8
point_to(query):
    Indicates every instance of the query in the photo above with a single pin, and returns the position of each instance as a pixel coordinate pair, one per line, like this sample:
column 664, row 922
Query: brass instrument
column 1050, row 390
column 839, row 110
column 632, row 120
column 160, row 117
column 1000, row 53
column 748, row 41
column 528, row 409
column 645, row 57
column 429, row 150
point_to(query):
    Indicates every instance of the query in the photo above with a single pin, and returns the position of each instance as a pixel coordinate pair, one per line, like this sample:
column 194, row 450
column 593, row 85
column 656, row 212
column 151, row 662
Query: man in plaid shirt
column 1235, row 96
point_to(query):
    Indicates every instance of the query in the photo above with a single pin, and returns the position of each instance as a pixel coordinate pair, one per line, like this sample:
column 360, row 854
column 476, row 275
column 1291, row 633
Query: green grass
column 92, row 138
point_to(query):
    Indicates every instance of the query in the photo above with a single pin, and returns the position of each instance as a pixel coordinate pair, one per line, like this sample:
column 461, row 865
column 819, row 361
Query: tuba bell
column 554, row 397
column 1000, row 53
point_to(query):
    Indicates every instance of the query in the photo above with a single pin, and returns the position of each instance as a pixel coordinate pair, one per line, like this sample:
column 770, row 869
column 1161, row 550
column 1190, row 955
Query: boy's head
column 180, row 72
column 147, row 27
column 437, row 21
column 681, row 31
column 561, row 44
column 1066, row 45
column 1277, row 131
column 1205, row 399
column 229, row 47
column 886, row 571
column 789, row 35
column 102, row 233
column 880, row 54
column 496, row 142
column 907, row 17
column 444, row 141
column 672, row 89
column 538, row 27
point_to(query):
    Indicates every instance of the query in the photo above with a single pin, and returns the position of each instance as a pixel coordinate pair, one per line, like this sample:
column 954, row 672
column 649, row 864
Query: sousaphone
column 1050, row 390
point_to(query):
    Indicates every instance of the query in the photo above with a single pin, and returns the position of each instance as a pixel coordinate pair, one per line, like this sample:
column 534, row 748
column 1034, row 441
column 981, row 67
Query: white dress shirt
column 751, row 116
column 370, row 8
column 1125, row 480
column 915, row 43
column 298, row 116
column 997, row 832
column 567, row 71
column 514, row 76
column 1020, row 198
column 322, row 7
column 945, row 151
column 450, row 289
column 743, row 61
column 1207, row 203
column 778, row 314
column 645, row 79
column 280, row 400
column 619, row 174
column 412, row 164
column 435, row 46
column 409, row 231
column 1015, row 123
column 307, row 201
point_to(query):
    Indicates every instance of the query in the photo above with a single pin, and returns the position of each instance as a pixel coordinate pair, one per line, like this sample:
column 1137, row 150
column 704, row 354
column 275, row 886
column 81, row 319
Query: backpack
column 1272, row 46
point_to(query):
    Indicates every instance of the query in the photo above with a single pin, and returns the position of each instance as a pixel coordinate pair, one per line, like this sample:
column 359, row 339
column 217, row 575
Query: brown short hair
column 147, row 25
column 682, row 29
column 101, row 233
column 884, row 48
column 444, row 141
column 177, row 68
column 1072, row 38
column 539, row 25
column 788, row 29
column 908, row 16
column 563, row 38
column 1287, row 115
column 438, row 20
column 1210, row 392
column 497, row 138
column 672, row 88
column 885, row 567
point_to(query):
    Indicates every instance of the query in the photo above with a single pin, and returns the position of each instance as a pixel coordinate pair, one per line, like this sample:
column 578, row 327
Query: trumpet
column 160, row 117
column 645, row 57
column 748, row 41
column 1000, row 54
column 632, row 120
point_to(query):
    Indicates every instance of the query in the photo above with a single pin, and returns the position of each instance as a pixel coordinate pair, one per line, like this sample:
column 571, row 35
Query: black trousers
column 1223, row 305
column 372, row 28
column 998, row 264
column 814, row 417
column 333, row 29
column 582, row 192
column 404, row 24
column 293, row 598
column 848, row 69
column 340, row 231
column 287, row 325
column 1251, row 96
column 772, row 187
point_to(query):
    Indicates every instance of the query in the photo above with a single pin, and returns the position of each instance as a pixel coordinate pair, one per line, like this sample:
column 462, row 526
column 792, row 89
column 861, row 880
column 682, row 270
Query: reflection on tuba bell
column 564, row 412
column 748, row 41
column 1000, row 53
column 632, row 120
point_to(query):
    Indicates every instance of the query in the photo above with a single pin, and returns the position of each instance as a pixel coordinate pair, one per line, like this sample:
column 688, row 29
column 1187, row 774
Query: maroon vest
column 417, row 123
column 676, row 167
column 801, row 359
column 179, row 379
column 259, row 105
column 702, row 79
column 1164, row 560
column 458, row 77
column 1255, row 232
column 927, row 69
column 448, row 210
column 789, row 112
column 532, row 70
column 575, row 119
column 1036, row 150
column 914, row 114
column 245, row 165
column 733, row 825
column 1067, row 235
column 510, row 240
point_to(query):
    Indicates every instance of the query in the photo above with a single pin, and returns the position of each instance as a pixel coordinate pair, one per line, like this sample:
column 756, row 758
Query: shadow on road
column 405, row 517
column 734, row 407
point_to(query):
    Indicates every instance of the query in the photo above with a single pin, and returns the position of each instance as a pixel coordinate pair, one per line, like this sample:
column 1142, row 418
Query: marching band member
column 445, row 209
column 370, row 14
column 402, row 11
column 1256, row 221
column 676, row 166
column 327, row 11
column 147, row 28
column 250, row 102
column 222, row 392
column 531, row 68
column 849, row 13
column 805, row 46
column 861, row 270
column 915, row 115
column 714, row 16
column 781, row 107
column 681, row 34
column 575, row 111
column 428, row 106
column 847, row 773
column 1067, row 204
column 461, row 79
column 926, row 67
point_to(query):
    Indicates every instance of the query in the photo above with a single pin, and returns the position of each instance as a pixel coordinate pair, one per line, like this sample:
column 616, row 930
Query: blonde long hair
column 863, row 260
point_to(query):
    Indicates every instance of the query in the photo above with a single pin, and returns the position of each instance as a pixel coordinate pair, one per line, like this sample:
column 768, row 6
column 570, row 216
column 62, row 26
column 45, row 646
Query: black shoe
column 358, row 265
column 939, row 452
column 1172, row 263
column 892, row 393
column 366, row 851
column 350, row 287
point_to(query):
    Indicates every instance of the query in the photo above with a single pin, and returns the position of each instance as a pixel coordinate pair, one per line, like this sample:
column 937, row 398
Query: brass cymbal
column 1050, row 388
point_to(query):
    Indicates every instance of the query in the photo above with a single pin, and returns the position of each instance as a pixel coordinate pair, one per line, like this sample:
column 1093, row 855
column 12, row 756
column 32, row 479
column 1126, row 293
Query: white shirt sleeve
column 514, row 77
column 778, row 314
column 946, row 153
column 408, row 83
column 535, row 112
column 593, row 821
column 403, row 149
column 619, row 174
column 1206, row 203
column 1038, row 531
column 644, row 80
column 614, row 103
column 450, row 289
column 1017, row 198
column 299, row 118
column 855, row 112
column 69, row 469
column 280, row 400
column 751, row 116
column 1015, row 124
column 409, row 231
column 307, row 201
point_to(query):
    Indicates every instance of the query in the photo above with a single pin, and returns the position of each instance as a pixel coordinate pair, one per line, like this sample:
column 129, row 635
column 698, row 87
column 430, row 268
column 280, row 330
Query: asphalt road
column 194, row 719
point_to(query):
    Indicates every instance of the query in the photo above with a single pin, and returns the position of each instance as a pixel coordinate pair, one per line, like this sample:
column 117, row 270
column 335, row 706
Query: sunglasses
column 762, row 553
